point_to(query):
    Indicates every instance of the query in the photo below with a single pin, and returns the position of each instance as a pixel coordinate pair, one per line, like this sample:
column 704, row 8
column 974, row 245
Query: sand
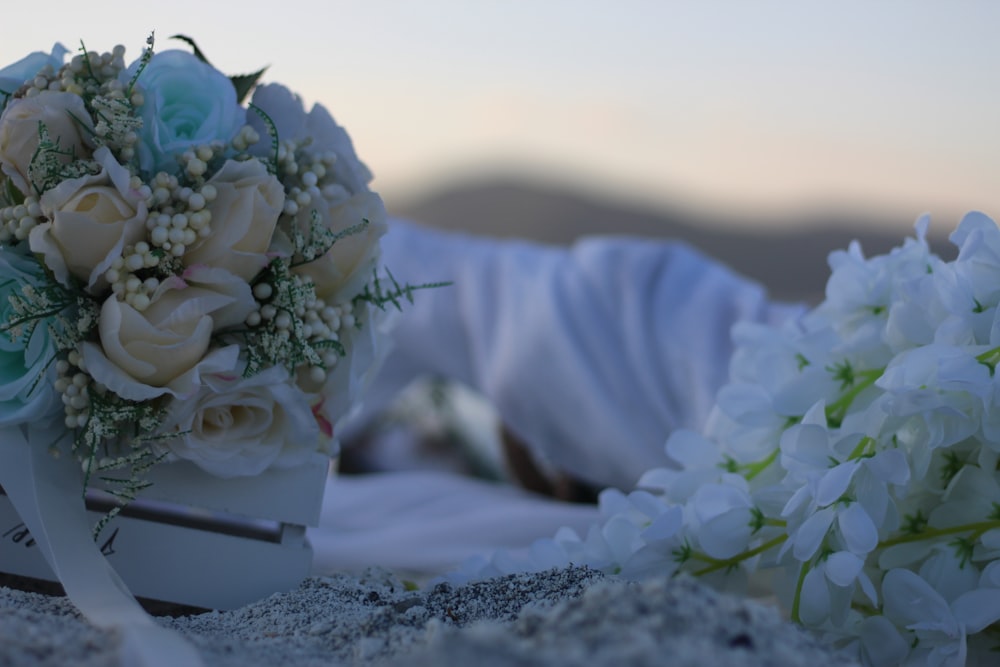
column 562, row 617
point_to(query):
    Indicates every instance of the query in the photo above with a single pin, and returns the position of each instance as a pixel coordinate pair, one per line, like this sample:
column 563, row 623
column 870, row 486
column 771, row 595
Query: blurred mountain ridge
column 788, row 256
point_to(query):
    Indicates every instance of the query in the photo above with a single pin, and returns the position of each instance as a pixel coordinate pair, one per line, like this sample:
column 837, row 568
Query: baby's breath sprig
column 138, row 462
column 147, row 55
column 111, row 419
column 379, row 296
column 117, row 125
column 35, row 304
column 320, row 239
column 49, row 166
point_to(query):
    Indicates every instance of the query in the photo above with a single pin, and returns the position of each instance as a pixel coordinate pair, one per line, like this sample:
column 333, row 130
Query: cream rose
column 244, row 212
column 91, row 219
column 65, row 118
column 164, row 349
column 240, row 426
column 347, row 266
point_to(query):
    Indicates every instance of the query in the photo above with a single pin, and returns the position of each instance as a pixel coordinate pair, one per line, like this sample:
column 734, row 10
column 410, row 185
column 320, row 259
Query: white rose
column 244, row 213
column 91, row 219
column 163, row 349
column 222, row 282
column 344, row 270
column 68, row 124
column 241, row 426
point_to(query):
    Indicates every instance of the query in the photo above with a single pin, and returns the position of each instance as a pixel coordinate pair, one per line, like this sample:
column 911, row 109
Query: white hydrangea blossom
column 854, row 455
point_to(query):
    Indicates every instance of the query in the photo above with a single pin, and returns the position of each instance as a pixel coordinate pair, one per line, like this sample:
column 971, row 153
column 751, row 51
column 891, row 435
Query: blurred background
column 768, row 133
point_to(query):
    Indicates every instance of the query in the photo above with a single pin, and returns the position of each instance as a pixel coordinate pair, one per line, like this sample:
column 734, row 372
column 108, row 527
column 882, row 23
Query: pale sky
column 748, row 105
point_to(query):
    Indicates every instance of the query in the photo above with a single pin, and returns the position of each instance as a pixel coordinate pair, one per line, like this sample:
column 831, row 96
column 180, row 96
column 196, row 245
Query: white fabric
column 429, row 522
column 592, row 355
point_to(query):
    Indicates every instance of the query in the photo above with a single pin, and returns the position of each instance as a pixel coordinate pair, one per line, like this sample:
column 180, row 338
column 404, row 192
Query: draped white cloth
column 591, row 354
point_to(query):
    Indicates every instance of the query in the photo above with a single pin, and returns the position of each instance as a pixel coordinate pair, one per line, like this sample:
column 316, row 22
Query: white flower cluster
column 851, row 467
column 189, row 274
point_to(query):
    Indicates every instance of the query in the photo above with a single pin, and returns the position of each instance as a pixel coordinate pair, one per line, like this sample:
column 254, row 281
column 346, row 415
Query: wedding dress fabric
column 591, row 354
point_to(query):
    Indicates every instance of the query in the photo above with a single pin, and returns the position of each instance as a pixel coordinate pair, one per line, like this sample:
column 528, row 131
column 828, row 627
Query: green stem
column 716, row 564
column 798, row 591
column 990, row 359
column 866, row 446
column 836, row 411
column 756, row 468
column 979, row 527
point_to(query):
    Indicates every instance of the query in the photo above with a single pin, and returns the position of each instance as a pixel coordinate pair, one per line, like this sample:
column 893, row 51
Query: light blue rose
column 187, row 103
column 13, row 76
column 25, row 395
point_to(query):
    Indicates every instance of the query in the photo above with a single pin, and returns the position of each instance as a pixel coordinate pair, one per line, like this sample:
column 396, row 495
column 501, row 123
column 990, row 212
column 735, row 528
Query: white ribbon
column 47, row 493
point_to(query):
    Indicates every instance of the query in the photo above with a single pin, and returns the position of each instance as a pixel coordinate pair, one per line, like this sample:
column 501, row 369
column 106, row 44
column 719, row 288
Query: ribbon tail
column 47, row 492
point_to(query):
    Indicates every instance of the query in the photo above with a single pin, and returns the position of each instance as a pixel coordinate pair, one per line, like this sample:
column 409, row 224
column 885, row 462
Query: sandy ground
column 562, row 617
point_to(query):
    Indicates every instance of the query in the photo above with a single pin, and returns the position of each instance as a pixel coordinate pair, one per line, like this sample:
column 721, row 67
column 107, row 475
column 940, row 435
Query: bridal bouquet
column 851, row 466
column 183, row 276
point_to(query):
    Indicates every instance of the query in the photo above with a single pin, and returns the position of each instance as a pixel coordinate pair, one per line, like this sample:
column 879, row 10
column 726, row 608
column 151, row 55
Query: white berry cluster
column 177, row 213
column 90, row 74
column 299, row 326
column 17, row 221
column 305, row 175
column 74, row 386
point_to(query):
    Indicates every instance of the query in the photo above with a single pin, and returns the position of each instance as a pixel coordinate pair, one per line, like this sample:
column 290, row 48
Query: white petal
column 657, row 479
column 834, row 484
column 842, row 567
column 726, row 535
column 991, row 539
column 814, row 600
column 612, row 502
column 664, row 527
column 840, row 602
column 909, row 600
column 811, row 533
column 946, row 573
column 690, row 450
column 868, row 588
column 646, row 503
column 622, row 538
column 807, row 445
column 746, row 404
column 858, row 530
column 712, row 500
column 977, row 609
column 991, row 575
column 890, row 466
column 649, row 562
column 881, row 642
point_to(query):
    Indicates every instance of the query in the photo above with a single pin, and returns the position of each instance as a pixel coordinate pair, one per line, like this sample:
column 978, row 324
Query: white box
column 193, row 538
